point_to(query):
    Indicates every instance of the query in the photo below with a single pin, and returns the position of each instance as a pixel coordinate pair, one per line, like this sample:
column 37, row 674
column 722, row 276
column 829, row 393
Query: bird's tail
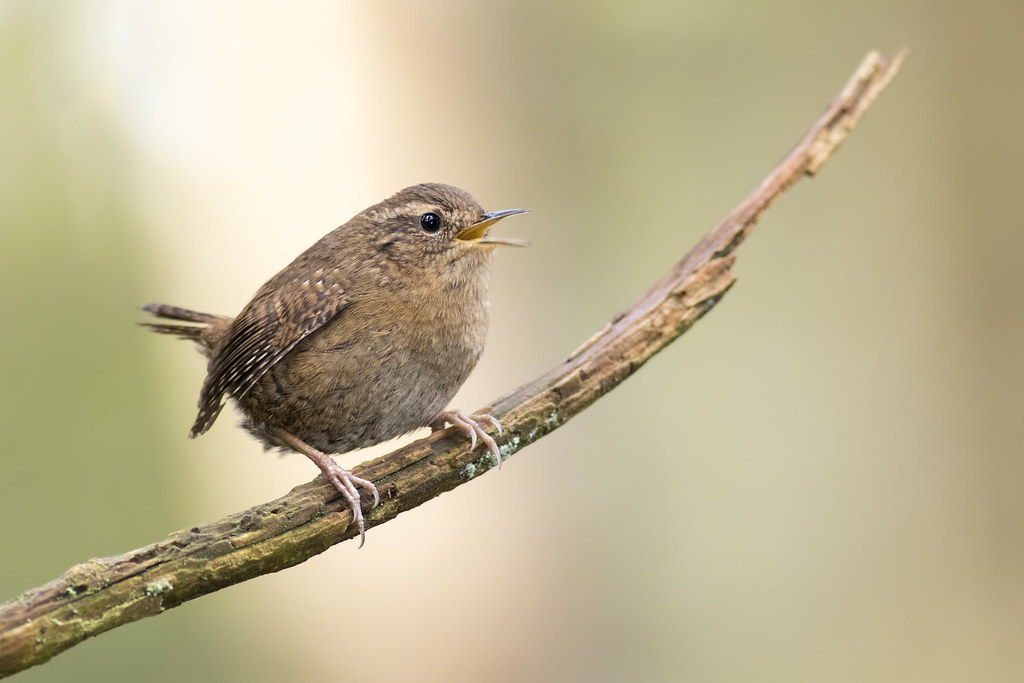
column 195, row 332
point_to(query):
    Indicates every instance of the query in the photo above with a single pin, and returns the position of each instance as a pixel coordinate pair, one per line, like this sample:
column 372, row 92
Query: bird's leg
column 473, row 427
column 343, row 479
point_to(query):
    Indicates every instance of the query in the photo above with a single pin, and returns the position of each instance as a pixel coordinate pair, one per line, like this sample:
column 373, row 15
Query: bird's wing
column 268, row 328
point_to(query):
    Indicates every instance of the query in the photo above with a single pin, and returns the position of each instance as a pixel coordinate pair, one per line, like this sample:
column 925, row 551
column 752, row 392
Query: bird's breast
column 388, row 363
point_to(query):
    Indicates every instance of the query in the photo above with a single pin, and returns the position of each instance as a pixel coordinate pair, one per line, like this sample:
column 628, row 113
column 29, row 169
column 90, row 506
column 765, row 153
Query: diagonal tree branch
column 101, row 594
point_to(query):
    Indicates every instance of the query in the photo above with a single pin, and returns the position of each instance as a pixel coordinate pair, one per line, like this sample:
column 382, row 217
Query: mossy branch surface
column 101, row 594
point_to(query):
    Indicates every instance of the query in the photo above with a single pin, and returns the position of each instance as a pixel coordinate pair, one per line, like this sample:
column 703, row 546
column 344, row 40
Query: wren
column 366, row 336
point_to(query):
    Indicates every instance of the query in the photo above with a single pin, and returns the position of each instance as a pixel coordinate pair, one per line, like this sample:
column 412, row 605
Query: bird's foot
column 472, row 425
column 346, row 482
column 343, row 479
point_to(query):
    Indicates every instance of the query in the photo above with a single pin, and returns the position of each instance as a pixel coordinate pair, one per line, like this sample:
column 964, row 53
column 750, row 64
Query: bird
column 365, row 336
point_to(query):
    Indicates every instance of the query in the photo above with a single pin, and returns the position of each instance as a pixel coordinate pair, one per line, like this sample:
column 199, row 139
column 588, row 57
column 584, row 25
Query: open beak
column 477, row 233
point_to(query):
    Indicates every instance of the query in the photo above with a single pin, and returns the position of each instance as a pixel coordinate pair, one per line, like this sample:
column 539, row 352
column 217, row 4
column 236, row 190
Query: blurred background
column 824, row 476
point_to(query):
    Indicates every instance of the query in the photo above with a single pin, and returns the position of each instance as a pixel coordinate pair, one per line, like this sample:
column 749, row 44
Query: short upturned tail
column 193, row 332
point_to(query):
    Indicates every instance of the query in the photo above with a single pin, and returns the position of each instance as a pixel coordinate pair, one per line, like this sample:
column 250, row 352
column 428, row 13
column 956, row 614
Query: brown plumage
column 365, row 336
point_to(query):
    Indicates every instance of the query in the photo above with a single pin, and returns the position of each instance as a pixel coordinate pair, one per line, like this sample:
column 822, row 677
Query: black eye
column 430, row 222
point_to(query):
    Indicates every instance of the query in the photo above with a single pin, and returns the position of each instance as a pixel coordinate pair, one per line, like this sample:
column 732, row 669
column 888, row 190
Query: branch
column 101, row 594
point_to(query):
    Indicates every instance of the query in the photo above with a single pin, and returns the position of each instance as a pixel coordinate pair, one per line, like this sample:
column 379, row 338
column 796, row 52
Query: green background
column 822, row 481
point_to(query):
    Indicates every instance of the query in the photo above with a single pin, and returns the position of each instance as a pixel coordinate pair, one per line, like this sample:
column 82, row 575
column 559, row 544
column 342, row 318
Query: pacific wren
column 364, row 337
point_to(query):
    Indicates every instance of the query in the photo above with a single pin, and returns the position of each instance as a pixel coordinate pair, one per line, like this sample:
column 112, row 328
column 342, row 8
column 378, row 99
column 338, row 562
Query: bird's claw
column 472, row 425
column 346, row 483
column 342, row 479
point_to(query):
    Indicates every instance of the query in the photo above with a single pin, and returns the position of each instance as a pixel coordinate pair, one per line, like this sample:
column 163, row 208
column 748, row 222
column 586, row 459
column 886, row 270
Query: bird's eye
column 430, row 222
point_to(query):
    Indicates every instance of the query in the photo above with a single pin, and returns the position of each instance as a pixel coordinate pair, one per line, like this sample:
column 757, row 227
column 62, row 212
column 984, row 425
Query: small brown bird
column 364, row 337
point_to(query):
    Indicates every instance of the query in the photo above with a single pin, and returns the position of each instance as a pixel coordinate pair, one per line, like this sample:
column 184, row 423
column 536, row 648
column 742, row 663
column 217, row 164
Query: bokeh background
column 823, row 480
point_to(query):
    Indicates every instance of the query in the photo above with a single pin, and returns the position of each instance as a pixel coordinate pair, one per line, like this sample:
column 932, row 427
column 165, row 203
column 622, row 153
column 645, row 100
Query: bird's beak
column 477, row 233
